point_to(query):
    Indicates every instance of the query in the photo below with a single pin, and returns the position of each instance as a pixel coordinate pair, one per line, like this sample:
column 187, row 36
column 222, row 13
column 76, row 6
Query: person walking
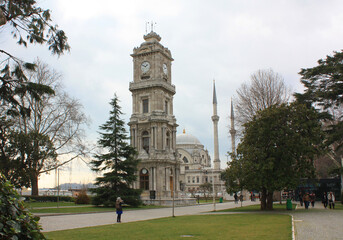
column 119, row 209
column 236, row 198
column 312, row 198
column 331, row 198
column 306, row 200
column 325, row 200
column 300, row 196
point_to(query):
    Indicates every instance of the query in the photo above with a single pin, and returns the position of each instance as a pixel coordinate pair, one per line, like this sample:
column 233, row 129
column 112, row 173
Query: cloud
column 222, row 40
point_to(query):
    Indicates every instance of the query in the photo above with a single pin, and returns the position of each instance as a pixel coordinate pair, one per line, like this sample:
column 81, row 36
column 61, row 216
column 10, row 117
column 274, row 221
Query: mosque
column 171, row 165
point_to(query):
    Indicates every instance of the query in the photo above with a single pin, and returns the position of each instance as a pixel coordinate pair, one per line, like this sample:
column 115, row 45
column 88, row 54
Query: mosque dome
column 187, row 139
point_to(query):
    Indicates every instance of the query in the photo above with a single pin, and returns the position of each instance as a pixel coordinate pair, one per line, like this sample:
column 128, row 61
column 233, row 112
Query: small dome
column 184, row 139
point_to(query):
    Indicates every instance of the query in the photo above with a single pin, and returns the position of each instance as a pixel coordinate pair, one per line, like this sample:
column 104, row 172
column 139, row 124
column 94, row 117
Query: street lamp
column 214, row 198
column 174, row 181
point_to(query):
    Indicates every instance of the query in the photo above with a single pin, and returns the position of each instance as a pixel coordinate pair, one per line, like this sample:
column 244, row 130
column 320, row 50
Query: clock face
column 145, row 67
column 144, row 171
column 165, row 68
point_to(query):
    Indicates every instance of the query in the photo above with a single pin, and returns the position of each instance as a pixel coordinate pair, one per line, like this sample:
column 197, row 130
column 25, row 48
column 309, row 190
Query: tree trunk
column 269, row 201
column 34, row 185
column 263, row 199
column 341, row 179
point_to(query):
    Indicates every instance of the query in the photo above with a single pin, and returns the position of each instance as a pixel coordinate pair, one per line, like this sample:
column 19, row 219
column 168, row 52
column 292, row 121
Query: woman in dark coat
column 325, row 200
column 119, row 209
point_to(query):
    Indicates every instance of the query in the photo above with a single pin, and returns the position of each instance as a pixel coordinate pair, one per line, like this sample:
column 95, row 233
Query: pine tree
column 118, row 162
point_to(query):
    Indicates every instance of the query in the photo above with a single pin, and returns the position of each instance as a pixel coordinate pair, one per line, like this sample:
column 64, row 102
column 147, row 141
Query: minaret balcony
column 215, row 118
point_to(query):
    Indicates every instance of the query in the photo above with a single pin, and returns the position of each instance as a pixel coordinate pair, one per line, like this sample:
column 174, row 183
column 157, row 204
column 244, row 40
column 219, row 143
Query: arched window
column 185, row 160
column 145, row 141
column 144, row 179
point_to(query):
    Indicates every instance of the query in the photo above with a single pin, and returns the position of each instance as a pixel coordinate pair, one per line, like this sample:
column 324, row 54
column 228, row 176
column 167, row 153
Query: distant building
column 195, row 165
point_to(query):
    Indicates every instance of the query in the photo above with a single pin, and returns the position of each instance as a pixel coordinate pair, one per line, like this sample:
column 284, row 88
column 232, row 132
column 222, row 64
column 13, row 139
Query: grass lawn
column 209, row 200
column 254, row 208
column 237, row 226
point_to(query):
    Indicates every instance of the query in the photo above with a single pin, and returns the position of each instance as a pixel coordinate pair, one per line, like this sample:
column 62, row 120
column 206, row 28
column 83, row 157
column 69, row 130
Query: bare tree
column 206, row 188
column 54, row 127
column 265, row 89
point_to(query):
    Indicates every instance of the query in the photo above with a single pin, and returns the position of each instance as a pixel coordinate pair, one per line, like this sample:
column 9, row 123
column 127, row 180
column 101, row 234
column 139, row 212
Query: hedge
column 48, row 198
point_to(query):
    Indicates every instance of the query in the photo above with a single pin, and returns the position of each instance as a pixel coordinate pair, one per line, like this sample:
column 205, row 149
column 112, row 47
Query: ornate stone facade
column 195, row 165
column 152, row 123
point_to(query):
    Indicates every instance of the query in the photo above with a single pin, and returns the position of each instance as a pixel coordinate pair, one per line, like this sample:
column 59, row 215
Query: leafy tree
column 233, row 175
column 118, row 163
column 277, row 151
column 10, row 166
column 16, row 222
column 29, row 24
column 324, row 90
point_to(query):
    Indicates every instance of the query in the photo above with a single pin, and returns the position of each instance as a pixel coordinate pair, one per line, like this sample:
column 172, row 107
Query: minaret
column 232, row 130
column 215, row 119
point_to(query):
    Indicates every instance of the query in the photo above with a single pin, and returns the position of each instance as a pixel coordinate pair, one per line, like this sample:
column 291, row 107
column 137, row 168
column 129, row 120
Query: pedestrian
column 241, row 198
column 306, row 200
column 325, row 200
column 300, row 196
column 331, row 198
column 312, row 198
column 236, row 198
column 119, row 209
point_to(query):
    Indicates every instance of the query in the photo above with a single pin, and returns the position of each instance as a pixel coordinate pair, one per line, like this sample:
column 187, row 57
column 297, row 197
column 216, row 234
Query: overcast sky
column 224, row 40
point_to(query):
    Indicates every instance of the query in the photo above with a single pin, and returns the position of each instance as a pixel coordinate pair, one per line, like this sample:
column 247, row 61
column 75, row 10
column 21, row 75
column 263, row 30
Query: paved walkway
column 318, row 223
column 62, row 222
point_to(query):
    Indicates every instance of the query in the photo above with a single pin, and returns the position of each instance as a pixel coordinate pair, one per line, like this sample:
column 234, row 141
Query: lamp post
column 174, row 178
column 58, row 187
column 214, row 198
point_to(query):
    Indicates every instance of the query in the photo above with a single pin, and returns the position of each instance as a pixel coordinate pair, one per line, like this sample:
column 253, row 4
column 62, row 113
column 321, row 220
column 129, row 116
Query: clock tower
column 152, row 123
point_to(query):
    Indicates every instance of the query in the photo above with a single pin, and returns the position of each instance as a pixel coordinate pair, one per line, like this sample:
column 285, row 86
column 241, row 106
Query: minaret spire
column 232, row 130
column 214, row 92
column 215, row 119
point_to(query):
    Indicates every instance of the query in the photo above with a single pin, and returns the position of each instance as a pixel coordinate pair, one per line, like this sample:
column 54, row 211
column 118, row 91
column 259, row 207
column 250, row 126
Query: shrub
column 48, row 198
column 16, row 222
column 82, row 198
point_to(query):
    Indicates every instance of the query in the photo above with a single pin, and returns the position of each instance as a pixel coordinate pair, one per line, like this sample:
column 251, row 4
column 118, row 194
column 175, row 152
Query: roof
column 187, row 139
